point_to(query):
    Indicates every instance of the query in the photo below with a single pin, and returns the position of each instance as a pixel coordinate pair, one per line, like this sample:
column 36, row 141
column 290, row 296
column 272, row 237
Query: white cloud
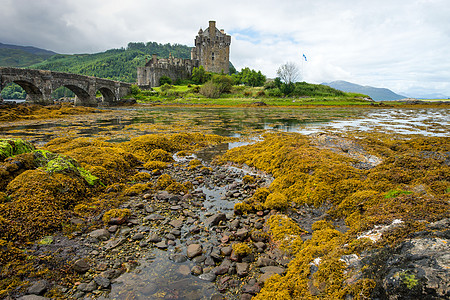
column 402, row 44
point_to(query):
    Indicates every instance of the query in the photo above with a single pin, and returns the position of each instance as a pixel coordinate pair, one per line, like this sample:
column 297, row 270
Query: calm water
column 125, row 123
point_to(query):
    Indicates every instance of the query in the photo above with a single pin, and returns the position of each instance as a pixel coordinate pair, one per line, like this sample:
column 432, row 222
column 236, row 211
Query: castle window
column 212, row 58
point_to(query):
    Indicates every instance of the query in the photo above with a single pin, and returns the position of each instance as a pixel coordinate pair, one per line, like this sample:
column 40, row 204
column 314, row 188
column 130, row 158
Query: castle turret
column 212, row 49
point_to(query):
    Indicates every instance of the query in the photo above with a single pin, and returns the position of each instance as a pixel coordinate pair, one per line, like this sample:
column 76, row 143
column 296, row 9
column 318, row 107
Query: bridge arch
column 34, row 94
column 108, row 96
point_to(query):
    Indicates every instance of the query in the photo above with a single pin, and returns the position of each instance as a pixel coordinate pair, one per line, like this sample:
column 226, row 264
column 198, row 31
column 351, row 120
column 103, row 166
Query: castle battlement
column 212, row 51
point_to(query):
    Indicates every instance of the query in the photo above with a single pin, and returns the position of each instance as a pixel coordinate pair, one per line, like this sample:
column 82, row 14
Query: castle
column 212, row 51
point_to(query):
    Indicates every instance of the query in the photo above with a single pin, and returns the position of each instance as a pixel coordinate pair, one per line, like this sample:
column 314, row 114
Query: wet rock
column 199, row 259
column 264, row 262
column 87, row 287
column 222, row 268
column 161, row 245
column 102, row 281
column 170, row 237
column 154, row 217
column 154, row 238
column 208, row 277
column 115, row 243
column 81, row 266
column 242, row 269
column 125, row 231
column 246, row 297
column 143, row 244
column 178, row 258
column 251, row 289
column 260, row 246
column 215, row 254
column 196, row 270
column 184, row 270
column 226, row 250
column 100, row 234
column 263, row 278
column 175, row 232
column 176, row 223
column 272, row 270
column 33, row 297
column 113, row 228
column 417, row 269
column 137, row 237
column 215, row 219
column 194, row 250
column 38, row 288
column 209, row 261
column 241, row 234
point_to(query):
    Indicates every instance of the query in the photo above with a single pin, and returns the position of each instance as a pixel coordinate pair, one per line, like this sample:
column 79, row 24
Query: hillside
column 116, row 64
column 21, row 56
column 377, row 94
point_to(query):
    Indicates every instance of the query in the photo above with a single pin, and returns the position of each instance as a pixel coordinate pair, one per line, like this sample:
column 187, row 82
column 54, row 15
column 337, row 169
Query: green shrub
column 210, row 90
column 165, row 80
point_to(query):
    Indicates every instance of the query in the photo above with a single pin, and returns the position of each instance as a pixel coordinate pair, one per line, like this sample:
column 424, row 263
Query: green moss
column 12, row 147
column 395, row 193
column 408, row 279
column 56, row 163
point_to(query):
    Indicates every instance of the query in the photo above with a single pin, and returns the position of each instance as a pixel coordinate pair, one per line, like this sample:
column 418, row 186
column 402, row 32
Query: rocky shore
column 313, row 217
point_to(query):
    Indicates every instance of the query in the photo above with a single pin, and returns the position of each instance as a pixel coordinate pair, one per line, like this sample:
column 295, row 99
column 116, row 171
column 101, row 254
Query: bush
column 165, row 80
column 274, row 92
column 210, row 90
column 223, row 82
column 135, row 90
column 165, row 87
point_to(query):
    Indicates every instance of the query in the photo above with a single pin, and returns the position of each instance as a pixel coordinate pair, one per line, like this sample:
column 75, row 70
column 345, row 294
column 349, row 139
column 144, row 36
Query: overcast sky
column 403, row 45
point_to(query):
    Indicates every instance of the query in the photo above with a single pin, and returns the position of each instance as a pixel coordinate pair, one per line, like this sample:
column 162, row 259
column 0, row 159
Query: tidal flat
column 162, row 202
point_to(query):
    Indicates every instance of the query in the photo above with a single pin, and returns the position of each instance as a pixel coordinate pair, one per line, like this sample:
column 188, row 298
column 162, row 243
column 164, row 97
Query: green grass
column 239, row 96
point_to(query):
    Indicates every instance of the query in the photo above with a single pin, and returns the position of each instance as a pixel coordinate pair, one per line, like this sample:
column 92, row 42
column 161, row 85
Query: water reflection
column 122, row 124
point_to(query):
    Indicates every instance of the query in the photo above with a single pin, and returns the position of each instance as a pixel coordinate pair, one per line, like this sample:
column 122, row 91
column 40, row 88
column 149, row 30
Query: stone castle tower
column 212, row 51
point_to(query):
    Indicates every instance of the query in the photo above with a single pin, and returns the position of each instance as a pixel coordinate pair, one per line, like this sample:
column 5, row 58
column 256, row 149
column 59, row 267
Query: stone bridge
column 40, row 84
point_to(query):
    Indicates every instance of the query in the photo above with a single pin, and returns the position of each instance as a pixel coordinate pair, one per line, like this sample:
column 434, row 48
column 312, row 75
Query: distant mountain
column 21, row 56
column 29, row 49
column 377, row 94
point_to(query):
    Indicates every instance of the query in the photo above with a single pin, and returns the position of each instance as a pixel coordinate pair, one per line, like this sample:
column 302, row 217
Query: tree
column 199, row 75
column 288, row 72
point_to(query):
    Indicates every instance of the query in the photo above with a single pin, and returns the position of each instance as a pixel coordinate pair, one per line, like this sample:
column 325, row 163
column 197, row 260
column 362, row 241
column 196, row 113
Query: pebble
column 207, row 277
column 161, row 245
column 81, row 266
column 242, row 269
column 196, row 270
column 137, row 237
column 38, row 288
column 154, row 238
column 193, row 250
column 100, row 234
column 102, row 281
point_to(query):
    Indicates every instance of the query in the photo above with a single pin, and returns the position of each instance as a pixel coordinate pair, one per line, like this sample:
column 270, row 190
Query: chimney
column 212, row 29
column 222, row 31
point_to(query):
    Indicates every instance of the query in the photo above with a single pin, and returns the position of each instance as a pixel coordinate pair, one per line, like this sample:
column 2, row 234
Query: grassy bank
column 243, row 95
